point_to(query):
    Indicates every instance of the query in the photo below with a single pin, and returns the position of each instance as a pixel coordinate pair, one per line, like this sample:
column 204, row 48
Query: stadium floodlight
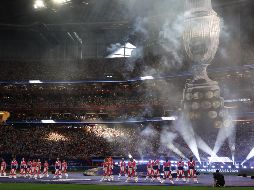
column 172, row 118
column 35, row 82
column 48, row 121
column 59, row 2
column 39, row 4
column 147, row 78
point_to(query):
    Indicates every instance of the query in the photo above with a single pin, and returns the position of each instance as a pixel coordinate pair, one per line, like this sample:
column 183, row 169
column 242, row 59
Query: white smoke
column 167, row 140
column 186, row 131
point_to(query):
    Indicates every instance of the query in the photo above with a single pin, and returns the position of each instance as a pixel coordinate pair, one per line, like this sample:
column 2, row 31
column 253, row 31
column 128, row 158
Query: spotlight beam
column 203, row 146
column 249, row 156
column 176, row 150
column 224, row 133
column 186, row 131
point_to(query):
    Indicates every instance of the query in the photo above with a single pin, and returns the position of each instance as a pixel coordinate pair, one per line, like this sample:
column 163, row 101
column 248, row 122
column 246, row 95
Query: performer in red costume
column 156, row 170
column 45, row 170
column 167, row 171
column 132, row 168
column 180, row 170
column 3, row 168
column 110, row 168
column 23, row 167
column 14, row 167
column 122, row 165
column 38, row 169
column 34, row 166
column 64, row 169
column 58, row 169
column 105, row 166
column 191, row 170
column 29, row 169
column 149, row 168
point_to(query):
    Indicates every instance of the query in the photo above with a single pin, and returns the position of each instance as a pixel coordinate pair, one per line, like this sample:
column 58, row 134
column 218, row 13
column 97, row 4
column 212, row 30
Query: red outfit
column 3, row 168
column 45, row 168
column 58, row 168
column 180, row 169
column 34, row 165
column 14, row 166
column 23, row 167
column 38, row 168
column 110, row 166
column 105, row 168
column 149, row 168
column 64, row 167
column 167, row 170
column 132, row 166
column 156, row 168
column 191, row 169
column 122, row 168
column 29, row 168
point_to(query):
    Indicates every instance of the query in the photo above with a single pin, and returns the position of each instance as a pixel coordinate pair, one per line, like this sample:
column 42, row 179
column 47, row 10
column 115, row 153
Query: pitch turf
column 23, row 186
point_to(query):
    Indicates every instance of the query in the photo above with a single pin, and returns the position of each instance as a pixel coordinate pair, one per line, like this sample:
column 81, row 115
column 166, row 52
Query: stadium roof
column 100, row 13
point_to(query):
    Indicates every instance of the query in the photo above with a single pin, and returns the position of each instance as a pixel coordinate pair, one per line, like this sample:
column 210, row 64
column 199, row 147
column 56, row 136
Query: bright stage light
column 219, row 159
column 39, row 4
column 59, row 2
column 48, row 121
column 147, row 78
column 173, row 118
column 35, row 82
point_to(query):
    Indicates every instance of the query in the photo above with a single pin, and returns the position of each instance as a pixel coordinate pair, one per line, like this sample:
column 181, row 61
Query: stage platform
column 78, row 178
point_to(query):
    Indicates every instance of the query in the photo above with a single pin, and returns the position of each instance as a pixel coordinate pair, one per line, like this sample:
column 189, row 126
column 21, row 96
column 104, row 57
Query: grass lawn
column 25, row 186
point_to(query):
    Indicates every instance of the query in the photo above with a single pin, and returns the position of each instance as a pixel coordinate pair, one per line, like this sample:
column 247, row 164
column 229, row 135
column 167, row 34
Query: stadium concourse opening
column 141, row 94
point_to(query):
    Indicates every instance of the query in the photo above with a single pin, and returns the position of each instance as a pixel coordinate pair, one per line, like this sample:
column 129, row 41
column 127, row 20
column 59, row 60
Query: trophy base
column 202, row 104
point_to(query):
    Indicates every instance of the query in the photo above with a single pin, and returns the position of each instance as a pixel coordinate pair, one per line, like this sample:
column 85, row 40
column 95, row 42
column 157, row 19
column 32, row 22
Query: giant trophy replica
column 201, row 97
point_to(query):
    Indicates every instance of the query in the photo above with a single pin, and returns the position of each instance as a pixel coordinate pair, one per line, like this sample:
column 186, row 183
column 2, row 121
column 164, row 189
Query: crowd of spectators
column 62, row 70
column 50, row 142
column 87, row 142
column 80, row 102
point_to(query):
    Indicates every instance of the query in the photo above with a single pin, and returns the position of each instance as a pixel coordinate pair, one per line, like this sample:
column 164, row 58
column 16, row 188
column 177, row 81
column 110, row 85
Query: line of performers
column 153, row 170
column 33, row 169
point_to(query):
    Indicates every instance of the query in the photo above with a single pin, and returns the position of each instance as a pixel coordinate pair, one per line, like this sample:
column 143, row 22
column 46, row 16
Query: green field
column 19, row 186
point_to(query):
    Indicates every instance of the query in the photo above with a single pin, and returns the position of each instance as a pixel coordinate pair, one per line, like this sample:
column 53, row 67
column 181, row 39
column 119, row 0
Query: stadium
column 126, row 94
